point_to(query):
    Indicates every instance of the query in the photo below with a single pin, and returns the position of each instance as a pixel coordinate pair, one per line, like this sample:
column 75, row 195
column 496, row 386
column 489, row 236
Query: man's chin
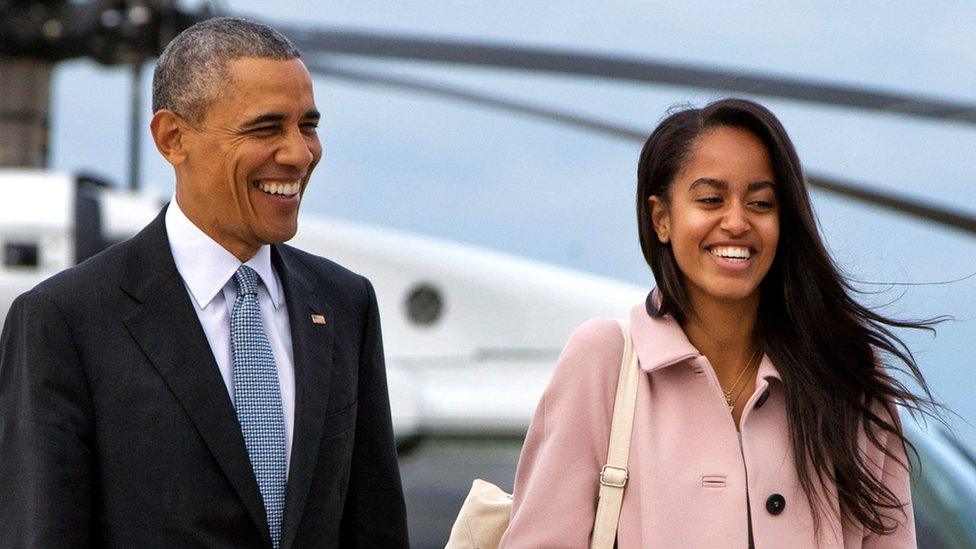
column 277, row 234
column 279, row 238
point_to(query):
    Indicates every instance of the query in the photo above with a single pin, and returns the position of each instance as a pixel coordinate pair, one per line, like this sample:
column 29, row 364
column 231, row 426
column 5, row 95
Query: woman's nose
column 735, row 220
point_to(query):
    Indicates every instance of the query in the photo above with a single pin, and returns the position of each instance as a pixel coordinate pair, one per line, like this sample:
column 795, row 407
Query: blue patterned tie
column 258, row 398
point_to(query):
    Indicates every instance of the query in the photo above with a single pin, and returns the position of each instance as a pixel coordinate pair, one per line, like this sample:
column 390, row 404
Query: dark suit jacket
column 116, row 428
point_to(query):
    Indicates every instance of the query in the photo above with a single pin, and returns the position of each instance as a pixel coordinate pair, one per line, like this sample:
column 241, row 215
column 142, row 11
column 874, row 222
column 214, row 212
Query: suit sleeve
column 896, row 476
column 375, row 513
column 46, row 430
column 556, row 484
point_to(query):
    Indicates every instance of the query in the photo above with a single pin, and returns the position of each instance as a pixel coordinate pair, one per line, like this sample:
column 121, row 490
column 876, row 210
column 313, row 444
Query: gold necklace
column 748, row 366
column 739, row 393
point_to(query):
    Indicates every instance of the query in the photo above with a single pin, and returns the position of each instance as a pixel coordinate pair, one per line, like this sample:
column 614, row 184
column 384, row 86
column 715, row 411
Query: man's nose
column 295, row 151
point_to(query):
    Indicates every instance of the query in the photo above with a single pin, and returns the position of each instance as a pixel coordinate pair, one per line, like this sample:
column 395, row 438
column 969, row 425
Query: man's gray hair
column 191, row 68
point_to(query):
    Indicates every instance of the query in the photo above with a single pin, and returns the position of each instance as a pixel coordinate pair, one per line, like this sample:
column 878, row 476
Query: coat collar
column 313, row 352
column 660, row 342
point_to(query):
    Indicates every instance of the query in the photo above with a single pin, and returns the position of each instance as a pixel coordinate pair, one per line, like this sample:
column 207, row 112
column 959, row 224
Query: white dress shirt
column 208, row 273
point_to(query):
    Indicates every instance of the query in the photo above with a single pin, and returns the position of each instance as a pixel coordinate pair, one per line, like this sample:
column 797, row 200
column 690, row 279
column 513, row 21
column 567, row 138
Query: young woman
column 765, row 417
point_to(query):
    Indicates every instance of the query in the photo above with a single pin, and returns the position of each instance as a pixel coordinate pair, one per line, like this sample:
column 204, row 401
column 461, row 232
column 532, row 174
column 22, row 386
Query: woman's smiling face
column 722, row 218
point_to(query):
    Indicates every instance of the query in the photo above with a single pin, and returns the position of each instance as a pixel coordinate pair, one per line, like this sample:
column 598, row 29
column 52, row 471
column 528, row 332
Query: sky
column 562, row 196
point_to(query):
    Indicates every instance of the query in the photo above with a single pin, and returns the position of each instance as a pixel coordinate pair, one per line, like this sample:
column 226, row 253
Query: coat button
column 775, row 504
column 762, row 399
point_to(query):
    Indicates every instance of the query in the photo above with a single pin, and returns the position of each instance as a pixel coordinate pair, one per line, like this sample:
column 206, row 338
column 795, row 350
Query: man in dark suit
column 203, row 384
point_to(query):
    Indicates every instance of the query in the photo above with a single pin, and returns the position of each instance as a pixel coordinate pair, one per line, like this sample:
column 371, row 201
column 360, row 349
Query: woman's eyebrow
column 721, row 185
column 708, row 181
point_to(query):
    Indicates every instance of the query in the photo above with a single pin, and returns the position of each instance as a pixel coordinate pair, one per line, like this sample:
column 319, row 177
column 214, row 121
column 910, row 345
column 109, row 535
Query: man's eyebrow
column 264, row 119
column 279, row 117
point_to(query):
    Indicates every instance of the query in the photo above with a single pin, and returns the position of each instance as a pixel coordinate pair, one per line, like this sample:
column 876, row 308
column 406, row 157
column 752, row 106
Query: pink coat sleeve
column 556, row 483
column 896, row 477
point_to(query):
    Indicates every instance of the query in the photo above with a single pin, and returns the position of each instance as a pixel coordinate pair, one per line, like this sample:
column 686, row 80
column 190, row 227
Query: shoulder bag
column 485, row 513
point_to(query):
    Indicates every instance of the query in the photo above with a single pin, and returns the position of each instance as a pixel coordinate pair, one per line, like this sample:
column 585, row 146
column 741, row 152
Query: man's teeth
column 286, row 189
column 731, row 252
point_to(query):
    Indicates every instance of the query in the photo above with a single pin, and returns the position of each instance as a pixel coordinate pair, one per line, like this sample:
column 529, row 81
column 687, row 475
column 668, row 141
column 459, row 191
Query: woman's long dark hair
column 826, row 346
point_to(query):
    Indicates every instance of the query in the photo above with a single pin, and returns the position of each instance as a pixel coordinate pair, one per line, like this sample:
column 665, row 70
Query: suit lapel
column 312, row 348
column 168, row 330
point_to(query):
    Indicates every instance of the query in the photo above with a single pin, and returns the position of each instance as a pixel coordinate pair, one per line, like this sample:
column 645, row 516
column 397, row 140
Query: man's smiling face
column 249, row 160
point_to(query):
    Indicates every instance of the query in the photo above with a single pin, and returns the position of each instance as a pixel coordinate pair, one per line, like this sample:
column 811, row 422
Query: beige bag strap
column 613, row 476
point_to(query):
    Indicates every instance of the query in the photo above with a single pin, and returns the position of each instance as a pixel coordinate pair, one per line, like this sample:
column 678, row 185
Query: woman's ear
column 660, row 218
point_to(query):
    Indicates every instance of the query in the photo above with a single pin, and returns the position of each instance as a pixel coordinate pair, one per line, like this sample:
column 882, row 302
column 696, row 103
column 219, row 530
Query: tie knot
column 247, row 281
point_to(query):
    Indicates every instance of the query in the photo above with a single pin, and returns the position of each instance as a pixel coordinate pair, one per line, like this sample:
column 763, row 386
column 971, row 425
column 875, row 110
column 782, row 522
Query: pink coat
column 689, row 479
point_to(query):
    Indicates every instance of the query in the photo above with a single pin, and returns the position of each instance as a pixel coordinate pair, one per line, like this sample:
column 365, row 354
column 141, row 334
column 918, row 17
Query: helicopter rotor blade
column 911, row 207
column 477, row 98
column 623, row 68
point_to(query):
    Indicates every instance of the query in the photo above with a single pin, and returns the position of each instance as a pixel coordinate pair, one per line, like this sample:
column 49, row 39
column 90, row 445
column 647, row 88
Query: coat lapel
column 168, row 330
column 312, row 348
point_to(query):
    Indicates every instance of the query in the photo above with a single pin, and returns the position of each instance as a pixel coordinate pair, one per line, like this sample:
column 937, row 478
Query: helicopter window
column 424, row 304
column 20, row 254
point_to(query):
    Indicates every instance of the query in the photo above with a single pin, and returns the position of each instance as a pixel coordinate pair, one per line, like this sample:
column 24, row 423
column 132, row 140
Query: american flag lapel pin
column 318, row 319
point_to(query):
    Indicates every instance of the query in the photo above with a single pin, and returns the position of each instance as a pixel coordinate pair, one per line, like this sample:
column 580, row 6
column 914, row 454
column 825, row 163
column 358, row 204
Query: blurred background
column 497, row 179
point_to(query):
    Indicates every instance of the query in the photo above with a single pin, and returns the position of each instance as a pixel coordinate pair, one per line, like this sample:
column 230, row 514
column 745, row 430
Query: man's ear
column 660, row 218
column 169, row 134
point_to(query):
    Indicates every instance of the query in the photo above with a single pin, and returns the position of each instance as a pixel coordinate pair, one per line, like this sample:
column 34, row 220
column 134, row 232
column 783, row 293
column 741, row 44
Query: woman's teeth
column 285, row 189
column 731, row 252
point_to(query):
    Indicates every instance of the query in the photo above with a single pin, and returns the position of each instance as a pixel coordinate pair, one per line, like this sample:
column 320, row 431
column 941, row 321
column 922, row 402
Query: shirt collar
column 206, row 266
column 660, row 342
